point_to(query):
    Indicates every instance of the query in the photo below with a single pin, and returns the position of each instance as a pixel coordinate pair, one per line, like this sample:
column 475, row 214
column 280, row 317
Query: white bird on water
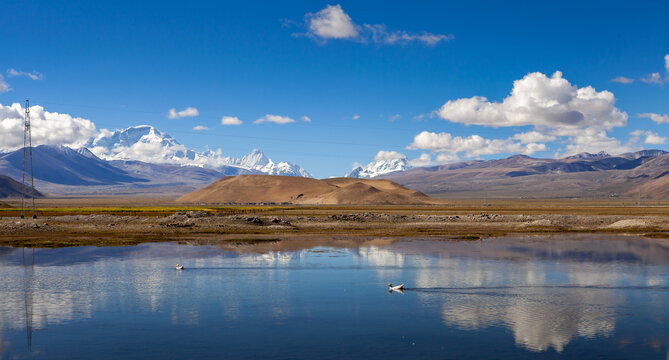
column 399, row 287
column 180, row 267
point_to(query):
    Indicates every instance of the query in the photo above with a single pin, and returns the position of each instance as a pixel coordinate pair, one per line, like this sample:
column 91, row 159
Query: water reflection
column 547, row 292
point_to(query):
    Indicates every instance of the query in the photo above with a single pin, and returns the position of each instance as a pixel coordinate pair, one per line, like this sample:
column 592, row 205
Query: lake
column 558, row 296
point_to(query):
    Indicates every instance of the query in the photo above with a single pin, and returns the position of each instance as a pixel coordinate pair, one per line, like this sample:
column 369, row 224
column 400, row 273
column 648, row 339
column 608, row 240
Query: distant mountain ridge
column 380, row 167
column 12, row 188
column 62, row 165
column 61, row 170
column 148, row 144
column 582, row 175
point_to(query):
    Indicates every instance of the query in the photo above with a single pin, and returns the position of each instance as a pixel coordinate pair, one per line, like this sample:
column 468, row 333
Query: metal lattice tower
column 27, row 160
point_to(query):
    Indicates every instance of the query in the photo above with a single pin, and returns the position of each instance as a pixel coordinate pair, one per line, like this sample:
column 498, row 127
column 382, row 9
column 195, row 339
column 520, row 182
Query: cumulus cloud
column 554, row 108
column 656, row 78
column 533, row 137
column 231, row 120
column 306, row 118
column 200, row 128
column 388, row 155
column 4, row 86
column 277, row 119
column 34, row 75
column 658, row 118
column 355, row 117
column 423, row 160
column 595, row 140
column 622, row 80
column 471, row 146
column 540, row 101
column 650, row 137
column 187, row 112
column 333, row 23
column 48, row 128
column 653, row 78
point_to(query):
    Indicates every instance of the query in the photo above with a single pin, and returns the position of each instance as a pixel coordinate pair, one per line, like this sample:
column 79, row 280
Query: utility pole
column 27, row 160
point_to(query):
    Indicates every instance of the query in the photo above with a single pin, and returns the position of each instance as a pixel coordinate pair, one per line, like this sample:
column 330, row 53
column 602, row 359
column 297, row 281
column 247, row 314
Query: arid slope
column 297, row 190
column 12, row 188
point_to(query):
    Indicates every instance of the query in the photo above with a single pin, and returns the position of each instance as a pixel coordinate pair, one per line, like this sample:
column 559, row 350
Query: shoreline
column 135, row 225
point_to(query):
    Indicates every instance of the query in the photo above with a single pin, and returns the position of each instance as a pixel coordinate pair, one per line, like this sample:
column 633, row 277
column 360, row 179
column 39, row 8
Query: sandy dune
column 298, row 190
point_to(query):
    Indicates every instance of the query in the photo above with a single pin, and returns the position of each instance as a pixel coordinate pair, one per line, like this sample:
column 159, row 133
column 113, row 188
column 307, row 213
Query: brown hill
column 3, row 205
column 298, row 190
column 12, row 188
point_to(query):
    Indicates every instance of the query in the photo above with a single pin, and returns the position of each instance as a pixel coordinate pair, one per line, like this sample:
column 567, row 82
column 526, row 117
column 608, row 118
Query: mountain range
column 644, row 173
column 148, row 144
column 380, row 167
column 139, row 159
column 61, row 170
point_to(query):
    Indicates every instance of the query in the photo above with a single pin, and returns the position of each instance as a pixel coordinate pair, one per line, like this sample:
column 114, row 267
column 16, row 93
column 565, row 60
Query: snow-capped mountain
column 148, row 144
column 587, row 155
column 380, row 167
column 256, row 160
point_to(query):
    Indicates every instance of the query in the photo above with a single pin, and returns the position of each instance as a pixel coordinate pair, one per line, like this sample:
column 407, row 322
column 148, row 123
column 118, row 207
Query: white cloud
column 200, row 128
column 392, row 118
column 651, row 138
column 4, row 87
column 653, row 78
column 306, row 118
column 444, row 158
column 187, row 112
column 48, row 128
column 656, row 78
column 231, row 120
column 388, row 155
column 555, row 109
column 381, row 35
column 543, row 102
column 533, row 137
column 33, row 75
column 658, row 118
column 472, row 146
column 355, row 117
column 277, row 119
column 333, row 23
column 622, row 80
column 423, row 160
column 595, row 140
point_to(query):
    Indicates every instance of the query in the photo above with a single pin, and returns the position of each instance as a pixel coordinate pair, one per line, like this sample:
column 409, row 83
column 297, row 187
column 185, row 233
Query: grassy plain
column 127, row 221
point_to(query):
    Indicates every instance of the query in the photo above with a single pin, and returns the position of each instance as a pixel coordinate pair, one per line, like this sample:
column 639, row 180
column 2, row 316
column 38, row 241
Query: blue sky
column 365, row 87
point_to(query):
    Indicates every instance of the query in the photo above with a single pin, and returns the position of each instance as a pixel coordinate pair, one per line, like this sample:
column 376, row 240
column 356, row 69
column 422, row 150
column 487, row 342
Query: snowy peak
column 587, row 155
column 148, row 144
column 256, row 159
column 380, row 167
column 144, row 143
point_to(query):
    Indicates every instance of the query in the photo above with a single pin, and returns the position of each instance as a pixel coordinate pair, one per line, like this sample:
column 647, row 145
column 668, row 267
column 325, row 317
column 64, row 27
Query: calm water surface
column 511, row 298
